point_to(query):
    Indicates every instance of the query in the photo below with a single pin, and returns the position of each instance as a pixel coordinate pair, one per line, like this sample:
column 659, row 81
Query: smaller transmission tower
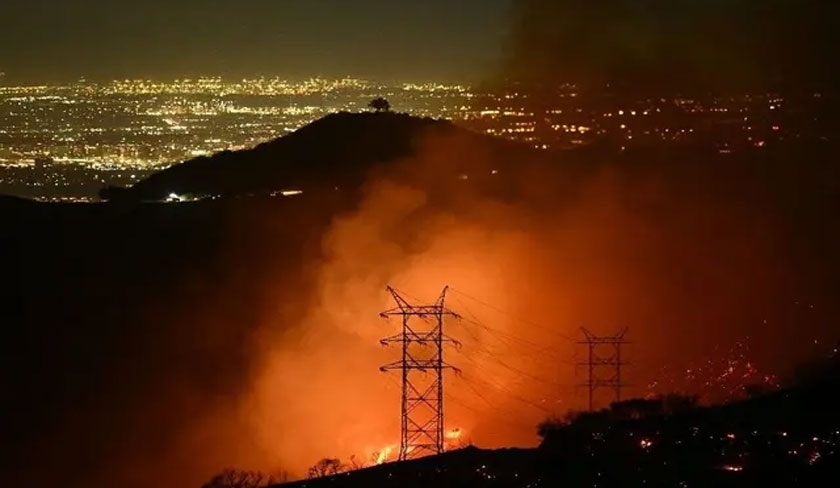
column 603, row 363
column 422, row 340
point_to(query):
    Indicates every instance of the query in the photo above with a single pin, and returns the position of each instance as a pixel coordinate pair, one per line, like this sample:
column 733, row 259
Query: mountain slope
column 787, row 438
column 337, row 150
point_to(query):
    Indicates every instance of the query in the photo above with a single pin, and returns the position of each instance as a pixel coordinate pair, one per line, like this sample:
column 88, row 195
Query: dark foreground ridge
column 786, row 438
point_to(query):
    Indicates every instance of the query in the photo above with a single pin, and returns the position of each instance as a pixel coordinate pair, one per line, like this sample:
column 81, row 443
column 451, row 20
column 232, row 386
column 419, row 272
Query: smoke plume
column 266, row 356
column 685, row 268
column 673, row 45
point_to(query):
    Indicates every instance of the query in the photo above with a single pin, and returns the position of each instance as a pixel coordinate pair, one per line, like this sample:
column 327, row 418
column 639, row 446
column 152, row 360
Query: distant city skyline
column 171, row 80
column 635, row 46
column 63, row 40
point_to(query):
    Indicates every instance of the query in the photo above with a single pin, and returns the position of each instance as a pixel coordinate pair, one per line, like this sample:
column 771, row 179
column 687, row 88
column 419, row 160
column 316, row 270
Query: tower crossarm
column 422, row 341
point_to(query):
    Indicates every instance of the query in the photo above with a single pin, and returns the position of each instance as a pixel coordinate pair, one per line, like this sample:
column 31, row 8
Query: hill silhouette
column 130, row 328
column 335, row 151
column 786, row 438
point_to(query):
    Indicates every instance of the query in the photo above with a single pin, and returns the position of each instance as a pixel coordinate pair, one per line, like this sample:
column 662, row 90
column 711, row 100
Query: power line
column 596, row 362
column 517, row 371
column 510, row 340
column 511, row 395
column 422, row 403
column 499, row 388
column 515, row 316
column 501, row 336
column 500, row 419
column 422, row 419
column 514, row 342
column 493, row 357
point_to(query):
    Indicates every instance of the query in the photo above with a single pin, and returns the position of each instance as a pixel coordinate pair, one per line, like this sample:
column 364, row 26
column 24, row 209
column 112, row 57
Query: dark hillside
column 117, row 320
column 337, row 150
column 789, row 438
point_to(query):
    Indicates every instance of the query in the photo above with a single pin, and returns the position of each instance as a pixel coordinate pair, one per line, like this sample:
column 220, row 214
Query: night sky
column 649, row 43
column 661, row 45
column 45, row 40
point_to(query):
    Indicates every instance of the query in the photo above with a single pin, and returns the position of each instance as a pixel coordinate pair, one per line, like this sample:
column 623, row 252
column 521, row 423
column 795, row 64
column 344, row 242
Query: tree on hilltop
column 380, row 104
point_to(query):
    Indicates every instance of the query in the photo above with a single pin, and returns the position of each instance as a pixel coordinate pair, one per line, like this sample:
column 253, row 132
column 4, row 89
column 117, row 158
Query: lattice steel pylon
column 422, row 365
column 596, row 362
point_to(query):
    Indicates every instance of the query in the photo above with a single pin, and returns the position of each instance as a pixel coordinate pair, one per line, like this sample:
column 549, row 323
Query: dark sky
column 405, row 39
column 657, row 45
column 650, row 43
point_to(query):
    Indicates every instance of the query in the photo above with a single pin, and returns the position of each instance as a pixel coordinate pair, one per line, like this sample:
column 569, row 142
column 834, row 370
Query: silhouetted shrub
column 674, row 403
column 325, row 467
column 234, row 478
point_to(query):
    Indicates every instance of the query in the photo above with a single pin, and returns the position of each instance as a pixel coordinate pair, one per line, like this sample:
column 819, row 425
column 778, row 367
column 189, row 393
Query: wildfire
column 453, row 439
column 384, row 454
column 722, row 376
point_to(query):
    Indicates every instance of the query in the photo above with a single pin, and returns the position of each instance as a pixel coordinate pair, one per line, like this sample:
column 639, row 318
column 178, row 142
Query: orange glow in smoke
column 522, row 279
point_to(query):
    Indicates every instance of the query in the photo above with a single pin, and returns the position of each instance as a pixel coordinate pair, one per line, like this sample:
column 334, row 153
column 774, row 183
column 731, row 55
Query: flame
column 453, row 434
column 453, row 439
column 384, row 454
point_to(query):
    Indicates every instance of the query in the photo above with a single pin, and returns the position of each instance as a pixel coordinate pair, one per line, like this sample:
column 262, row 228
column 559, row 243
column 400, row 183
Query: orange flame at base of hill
column 389, row 453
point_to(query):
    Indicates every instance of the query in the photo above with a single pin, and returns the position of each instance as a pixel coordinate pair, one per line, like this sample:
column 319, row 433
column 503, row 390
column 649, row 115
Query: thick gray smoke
column 657, row 45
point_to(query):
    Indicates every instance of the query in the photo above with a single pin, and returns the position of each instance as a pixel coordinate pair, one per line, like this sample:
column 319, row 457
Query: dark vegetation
column 786, row 438
column 233, row 478
column 380, row 104
column 121, row 320
column 326, row 467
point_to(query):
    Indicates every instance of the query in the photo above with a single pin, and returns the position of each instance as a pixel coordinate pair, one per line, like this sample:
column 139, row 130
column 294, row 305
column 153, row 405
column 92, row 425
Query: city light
column 68, row 141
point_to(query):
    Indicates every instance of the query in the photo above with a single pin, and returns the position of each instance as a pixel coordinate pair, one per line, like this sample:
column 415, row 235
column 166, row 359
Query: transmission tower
column 422, row 340
column 603, row 363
